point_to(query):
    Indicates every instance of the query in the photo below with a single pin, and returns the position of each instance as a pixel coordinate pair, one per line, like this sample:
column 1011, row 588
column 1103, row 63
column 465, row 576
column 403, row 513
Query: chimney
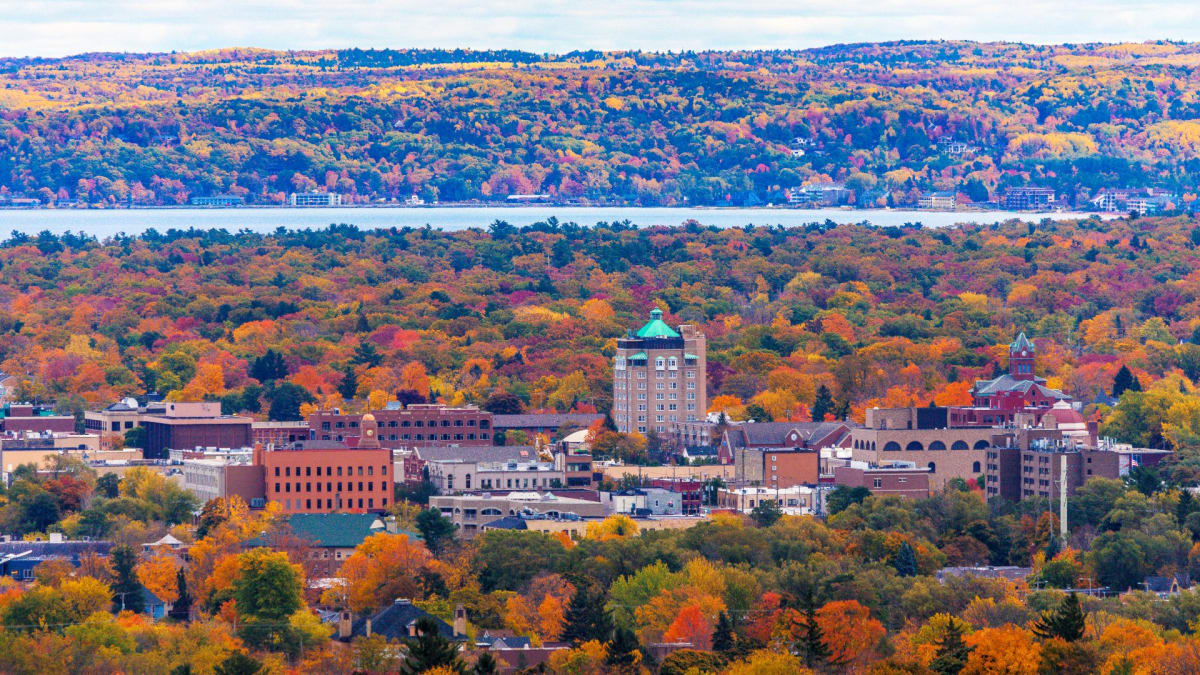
column 460, row 621
column 368, row 629
column 345, row 624
column 56, row 537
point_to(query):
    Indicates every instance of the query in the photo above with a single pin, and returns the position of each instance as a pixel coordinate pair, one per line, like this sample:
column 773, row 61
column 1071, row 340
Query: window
column 878, row 482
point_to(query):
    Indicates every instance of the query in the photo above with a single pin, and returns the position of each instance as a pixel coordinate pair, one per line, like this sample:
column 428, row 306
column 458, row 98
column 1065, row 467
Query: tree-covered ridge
column 648, row 128
column 852, row 315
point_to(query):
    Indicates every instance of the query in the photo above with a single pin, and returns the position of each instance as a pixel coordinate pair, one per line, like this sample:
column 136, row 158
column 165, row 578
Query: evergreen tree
column 1185, row 506
column 127, row 590
column 268, row 367
column 842, row 411
column 1052, row 548
column 767, row 513
column 182, row 609
column 1067, row 622
column 348, row 387
column 623, row 650
column 430, row 650
column 905, row 560
column 436, row 529
column 823, row 404
column 485, row 665
column 1122, row 382
column 811, row 646
column 586, row 619
column 952, row 652
column 723, row 635
column 238, row 663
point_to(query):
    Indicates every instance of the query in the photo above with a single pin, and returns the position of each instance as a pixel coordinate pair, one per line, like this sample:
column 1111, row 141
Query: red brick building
column 331, row 480
column 902, row 481
column 24, row 417
column 418, row 425
column 1018, row 390
column 177, row 429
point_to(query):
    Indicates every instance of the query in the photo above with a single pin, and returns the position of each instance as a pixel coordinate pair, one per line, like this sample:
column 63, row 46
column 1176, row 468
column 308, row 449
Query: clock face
column 370, row 432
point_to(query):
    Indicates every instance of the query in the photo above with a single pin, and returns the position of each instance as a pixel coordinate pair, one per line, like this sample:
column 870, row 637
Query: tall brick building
column 420, row 425
column 331, row 480
column 658, row 377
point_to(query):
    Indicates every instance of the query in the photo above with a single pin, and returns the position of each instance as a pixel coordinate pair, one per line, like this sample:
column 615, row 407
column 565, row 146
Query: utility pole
column 1062, row 498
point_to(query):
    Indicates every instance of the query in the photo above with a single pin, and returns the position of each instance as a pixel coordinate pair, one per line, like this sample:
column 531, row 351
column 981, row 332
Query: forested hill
column 623, row 127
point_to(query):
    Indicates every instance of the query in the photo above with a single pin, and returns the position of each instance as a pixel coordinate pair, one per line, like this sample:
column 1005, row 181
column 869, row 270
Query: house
column 166, row 542
column 153, row 605
column 791, row 435
column 398, row 621
column 1165, row 587
column 331, row 537
column 19, row 558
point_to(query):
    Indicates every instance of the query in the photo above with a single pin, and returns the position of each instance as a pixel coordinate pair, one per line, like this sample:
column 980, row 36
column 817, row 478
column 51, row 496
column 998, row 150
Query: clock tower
column 1020, row 359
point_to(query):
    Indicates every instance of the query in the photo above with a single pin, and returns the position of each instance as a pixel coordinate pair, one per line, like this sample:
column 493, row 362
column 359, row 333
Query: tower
column 659, row 377
column 369, row 436
column 1020, row 358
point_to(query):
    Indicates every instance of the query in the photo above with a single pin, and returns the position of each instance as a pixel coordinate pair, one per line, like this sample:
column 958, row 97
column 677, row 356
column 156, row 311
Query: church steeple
column 1020, row 358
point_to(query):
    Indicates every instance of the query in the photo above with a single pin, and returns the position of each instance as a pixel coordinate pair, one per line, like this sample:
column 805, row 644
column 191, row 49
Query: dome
column 368, row 418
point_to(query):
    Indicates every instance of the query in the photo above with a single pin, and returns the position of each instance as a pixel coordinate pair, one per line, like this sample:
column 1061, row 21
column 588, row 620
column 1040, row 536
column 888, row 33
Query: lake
column 103, row 223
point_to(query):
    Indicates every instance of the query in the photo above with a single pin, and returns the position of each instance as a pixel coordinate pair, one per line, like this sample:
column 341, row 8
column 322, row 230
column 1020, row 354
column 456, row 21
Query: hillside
column 879, row 316
column 683, row 128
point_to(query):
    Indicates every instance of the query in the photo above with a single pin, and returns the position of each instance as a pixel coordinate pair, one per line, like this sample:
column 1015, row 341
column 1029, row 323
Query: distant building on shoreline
column 315, row 199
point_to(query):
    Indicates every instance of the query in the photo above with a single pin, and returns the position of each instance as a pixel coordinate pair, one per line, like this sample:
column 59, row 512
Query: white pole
column 1062, row 500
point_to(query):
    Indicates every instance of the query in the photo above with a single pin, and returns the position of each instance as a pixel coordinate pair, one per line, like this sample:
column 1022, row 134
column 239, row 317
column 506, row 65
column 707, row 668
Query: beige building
column 472, row 511
column 905, row 435
column 659, row 377
column 577, row 529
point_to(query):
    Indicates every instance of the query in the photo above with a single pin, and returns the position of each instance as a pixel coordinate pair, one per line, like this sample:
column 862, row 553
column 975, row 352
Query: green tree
column 1144, row 479
column 723, row 634
column 1124, row 381
column 952, row 652
column 436, row 529
column 811, row 645
column 905, row 560
column 485, row 665
column 127, row 590
column 286, row 398
column 268, row 587
column 181, row 610
column 586, row 618
column 767, row 513
column 1068, row 621
column 843, row 496
column 268, row 367
column 348, row 387
column 823, row 404
column 135, row 437
column 623, row 650
column 239, row 663
column 109, row 485
column 429, row 650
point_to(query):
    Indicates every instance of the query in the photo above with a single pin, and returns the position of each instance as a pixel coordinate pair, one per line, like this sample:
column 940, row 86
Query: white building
column 799, row 500
column 315, row 199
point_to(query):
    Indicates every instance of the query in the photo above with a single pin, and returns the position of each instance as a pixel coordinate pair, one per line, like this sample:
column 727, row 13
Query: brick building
column 908, row 481
column 922, row 436
column 659, row 377
column 279, row 433
column 181, row 426
column 1018, row 390
column 789, row 435
column 776, row 467
column 23, row 417
column 324, row 480
column 415, row 426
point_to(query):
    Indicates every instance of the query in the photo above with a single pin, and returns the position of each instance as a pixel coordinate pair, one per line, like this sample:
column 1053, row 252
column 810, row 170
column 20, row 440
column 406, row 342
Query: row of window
column 416, row 437
column 307, row 504
column 308, row 470
column 392, row 424
column 308, row 487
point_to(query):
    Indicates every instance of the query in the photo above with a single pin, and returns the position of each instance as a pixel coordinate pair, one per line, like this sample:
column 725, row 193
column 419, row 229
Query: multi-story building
column 644, row 501
column 903, row 479
column 220, row 478
column 797, row 500
column 1028, row 198
column 416, row 426
column 20, row 417
column 472, row 511
column 942, row 201
column 691, row 492
column 315, row 199
column 1018, row 390
column 777, row 435
column 184, row 426
column 272, row 433
column 659, row 377
column 776, row 467
column 320, row 480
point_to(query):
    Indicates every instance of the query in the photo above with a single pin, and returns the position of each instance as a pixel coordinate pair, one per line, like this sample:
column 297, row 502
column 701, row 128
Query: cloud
column 62, row 27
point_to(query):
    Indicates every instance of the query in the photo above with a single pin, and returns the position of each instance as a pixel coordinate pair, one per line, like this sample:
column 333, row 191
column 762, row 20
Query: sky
column 64, row 27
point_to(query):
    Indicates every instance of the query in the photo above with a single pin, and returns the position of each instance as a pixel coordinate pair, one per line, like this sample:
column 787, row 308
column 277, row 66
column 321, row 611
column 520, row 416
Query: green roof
column 1021, row 343
column 336, row 530
column 690, row 356
column 656, row 327
column 639, row 355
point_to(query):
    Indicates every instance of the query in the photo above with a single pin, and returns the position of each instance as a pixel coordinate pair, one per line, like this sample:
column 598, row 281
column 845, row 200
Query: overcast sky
column 62, row 27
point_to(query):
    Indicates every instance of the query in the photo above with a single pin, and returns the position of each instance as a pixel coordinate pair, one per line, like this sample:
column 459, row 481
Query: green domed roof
column 656, row 327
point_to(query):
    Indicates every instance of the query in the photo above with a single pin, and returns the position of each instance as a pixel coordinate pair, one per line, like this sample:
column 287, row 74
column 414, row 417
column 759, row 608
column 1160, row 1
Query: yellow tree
column 383, row 567
column 157, row 573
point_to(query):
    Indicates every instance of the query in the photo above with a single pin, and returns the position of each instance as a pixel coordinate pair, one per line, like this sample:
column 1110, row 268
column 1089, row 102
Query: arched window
column 491, row 512
column 915, row 446
column 960, row 445
column 872, row 445
column 937, row 445
column 975, row 467
column 982, row 445
column 891, row 446
column 932, row 467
